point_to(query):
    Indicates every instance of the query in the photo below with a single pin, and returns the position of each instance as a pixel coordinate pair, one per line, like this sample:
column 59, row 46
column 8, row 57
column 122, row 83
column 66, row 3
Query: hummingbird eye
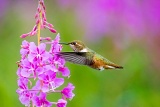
column 73, row 43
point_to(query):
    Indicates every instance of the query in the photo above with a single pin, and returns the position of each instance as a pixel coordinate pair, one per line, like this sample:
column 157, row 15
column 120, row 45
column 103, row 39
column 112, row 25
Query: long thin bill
column 63, row 43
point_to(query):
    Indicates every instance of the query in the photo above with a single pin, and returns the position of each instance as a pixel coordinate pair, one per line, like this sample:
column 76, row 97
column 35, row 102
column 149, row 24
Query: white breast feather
column 84, row 50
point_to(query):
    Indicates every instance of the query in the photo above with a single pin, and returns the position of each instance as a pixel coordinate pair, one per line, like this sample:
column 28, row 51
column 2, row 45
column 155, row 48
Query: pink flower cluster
column 44, row 67
column 41, row 72
column 40, row 17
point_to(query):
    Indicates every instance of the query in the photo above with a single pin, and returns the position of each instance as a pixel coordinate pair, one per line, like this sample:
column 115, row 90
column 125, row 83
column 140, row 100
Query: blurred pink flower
column 116, row 18
column 4, row 5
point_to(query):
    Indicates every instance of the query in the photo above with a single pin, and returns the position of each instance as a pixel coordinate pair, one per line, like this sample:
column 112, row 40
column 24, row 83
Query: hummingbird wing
column 77, row 57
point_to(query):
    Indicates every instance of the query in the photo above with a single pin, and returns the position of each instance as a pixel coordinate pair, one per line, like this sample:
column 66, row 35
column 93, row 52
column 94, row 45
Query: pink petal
column 33, row 47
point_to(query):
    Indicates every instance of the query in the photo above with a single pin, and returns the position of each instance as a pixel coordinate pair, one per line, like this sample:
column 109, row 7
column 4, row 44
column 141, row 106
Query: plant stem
column 39, row 27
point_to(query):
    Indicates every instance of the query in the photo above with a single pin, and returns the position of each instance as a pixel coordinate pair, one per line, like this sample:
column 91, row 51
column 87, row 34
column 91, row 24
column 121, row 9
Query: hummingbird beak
column 63, row 43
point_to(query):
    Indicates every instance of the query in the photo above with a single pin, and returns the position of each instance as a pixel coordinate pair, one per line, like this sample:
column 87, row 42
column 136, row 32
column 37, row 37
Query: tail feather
column 113, row 66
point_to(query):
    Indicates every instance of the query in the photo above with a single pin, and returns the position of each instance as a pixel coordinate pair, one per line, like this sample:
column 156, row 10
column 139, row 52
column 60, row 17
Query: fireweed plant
column 38, row 69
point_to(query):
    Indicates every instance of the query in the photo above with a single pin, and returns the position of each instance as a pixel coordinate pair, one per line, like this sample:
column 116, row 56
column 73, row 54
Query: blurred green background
column 125, row 32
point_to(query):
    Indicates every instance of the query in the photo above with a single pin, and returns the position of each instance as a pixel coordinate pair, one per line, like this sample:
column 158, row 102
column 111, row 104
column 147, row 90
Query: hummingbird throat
column 84, row 50
column 77, row 49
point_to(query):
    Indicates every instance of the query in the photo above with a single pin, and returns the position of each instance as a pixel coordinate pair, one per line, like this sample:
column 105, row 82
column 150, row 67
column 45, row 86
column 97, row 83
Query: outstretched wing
column 77, row 57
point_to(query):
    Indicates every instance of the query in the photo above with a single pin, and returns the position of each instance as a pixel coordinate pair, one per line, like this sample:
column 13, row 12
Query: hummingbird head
column 77, row 46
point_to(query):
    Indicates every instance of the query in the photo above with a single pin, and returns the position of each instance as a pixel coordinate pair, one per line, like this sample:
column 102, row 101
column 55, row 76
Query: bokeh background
column 126, row 32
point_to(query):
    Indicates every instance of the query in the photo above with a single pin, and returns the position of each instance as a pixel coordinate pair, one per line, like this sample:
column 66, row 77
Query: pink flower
column 24, row 94
column 56, row 47
column 67, row 91
column 40, row 19
column 61, row 103
column 50, row 81
column 65, row 71
column 41, row 67
column 41, row 101
column 37, row 54
column 25, row 49
column 28, row 68
column 44, row 67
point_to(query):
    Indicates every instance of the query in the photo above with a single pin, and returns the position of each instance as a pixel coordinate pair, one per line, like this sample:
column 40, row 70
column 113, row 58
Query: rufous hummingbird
column 85, row 56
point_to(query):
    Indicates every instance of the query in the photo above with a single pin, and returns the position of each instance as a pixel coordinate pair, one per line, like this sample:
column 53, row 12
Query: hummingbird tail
column 113, row 66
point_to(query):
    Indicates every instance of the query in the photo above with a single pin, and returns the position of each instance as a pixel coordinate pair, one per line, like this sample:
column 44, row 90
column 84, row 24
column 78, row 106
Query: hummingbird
column 85, row 56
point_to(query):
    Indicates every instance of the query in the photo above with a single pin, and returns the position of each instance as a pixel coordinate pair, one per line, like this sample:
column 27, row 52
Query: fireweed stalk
column 38, row 69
